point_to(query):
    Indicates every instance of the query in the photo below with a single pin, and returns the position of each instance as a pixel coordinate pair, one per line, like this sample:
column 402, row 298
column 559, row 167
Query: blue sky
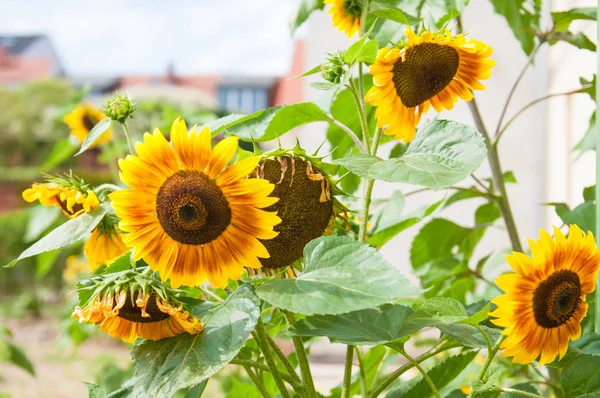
column 111, row 37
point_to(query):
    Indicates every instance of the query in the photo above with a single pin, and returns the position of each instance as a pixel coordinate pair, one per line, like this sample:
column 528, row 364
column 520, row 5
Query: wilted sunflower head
column 187, row 213
column 139, row 307
column 68, row 193
column 82, row 120
column 105, row 244
column 545, row 298
column 305, row 206
column 346, row 15
column 432, row 69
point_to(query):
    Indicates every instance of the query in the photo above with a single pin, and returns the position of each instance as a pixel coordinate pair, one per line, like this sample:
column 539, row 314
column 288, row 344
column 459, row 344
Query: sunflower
column 345, row 15
column 545, row 297
column 82, row 120
column 68, row 194
column 105, row 244
column 431, row 69
column 187, row 214
column 305, row 207
column 130, row 314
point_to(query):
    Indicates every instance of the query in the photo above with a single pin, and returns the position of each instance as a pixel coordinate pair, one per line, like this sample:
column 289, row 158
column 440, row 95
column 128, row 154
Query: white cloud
column 112, row 37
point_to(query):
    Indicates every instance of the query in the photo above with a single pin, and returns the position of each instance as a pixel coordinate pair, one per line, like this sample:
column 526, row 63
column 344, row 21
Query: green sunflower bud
column 120, row 108
column 334, row 68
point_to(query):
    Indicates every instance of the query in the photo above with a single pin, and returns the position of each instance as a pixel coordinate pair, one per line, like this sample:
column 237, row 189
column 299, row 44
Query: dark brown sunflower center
column 191, row 208
column 426, row 70
column 556, row 299
column 353, row 7
column 133, row 313
column 89, row 121
column 63, row 205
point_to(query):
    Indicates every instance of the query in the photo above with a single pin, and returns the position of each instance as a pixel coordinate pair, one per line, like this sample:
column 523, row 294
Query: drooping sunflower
column 305, row 207
column 132, row 313
column 432, row 69
column 545, row 298
column 82, row 120
column 345, row 15
column 187, row 214
column 105, row 244
column 69, row 193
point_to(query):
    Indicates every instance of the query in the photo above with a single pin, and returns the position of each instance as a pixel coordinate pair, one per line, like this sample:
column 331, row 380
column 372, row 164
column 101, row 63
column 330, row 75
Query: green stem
column 497, row 178
column 257, row 382
column 348, row 371
column 302, row 359
column 128, row 135
column 361, row 112
column 376, row 392
column 361, row 373
column 265, row 368
column 351, row 134
column 422, row 371
column 554, row 375
column 515, row 392
column 488, row 361
column 211, row 294
column 288, row 366
column 532, row 103
column 597, row 304
column 263, row 343
column 485, row 336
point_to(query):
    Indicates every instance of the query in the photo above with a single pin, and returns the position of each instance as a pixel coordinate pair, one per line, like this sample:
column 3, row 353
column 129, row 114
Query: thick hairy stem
column 257, row 382
column 288, row 366
column 488, row 361
column 347, row 371
column 514, row 392
column 361, row 110
column 422, row 371
column 263, row 343
column 302, row 359
column 362, row 374
column 497, row 178
column 265, row 368
column 351, row 134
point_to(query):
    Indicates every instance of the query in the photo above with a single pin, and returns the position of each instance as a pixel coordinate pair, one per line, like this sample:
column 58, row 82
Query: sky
column 114, row 37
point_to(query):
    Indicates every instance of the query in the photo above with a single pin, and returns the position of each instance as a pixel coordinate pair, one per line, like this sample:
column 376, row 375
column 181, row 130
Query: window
column 243, row 99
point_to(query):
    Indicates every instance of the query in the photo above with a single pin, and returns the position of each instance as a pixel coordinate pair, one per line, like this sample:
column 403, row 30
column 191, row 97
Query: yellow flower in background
column 105, row 245
column 74, row 267
column 545, row 297
column 345, row 15
column 128, row 316
column 187, row 214
column 68, row 194
column 433, row 69
column 81, row 121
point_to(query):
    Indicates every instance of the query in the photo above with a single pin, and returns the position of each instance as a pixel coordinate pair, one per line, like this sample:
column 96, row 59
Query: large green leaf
column 372, row 326
column 441, row 375
column 581, row 378
column 443, row 153
column 562, row 19
column 40, row 219
column 95, row 391
column 579, row 40
column 434, row 12
column 437, row 240
column 164, row 367
column 66, row 234
column 96, row 132
column 304, row 10
column 15, row 355
column 523, row 17
column 340, row 275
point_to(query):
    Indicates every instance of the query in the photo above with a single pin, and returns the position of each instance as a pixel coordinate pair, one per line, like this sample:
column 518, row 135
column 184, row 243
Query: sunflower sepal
column 120, row 108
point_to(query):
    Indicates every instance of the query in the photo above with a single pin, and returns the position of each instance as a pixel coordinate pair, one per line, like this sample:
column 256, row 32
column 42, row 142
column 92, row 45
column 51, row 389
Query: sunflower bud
column 120, row 108
column 334, row 68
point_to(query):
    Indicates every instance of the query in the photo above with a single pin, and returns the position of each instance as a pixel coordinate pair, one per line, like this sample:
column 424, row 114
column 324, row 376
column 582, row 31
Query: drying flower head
column 188, row 214
column 545, row 297
column 82, row 120
column 136, row 306
column 68, row 193
column 305, row 206
column 432, row 69
column 345, row 15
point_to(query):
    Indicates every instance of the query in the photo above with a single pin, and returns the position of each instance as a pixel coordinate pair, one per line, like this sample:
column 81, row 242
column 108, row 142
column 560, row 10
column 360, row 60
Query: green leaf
column 441, row 375
column 443, row 153
column 304, row 10
column 469, row 336
column 96, row 132
column 373, row 326
column 397, row 223
column 340, row 275
column 579, row 40
column 523, row 387
column 65, row 235
column 17, row 357
column 94, row 391
column 40, row 219
column 44, row 262
column 581, row 378
column 198, row 390
column 523, row 17
column 437, row 240
column 588, row 142
column 434, row 12
column 487, row 213
column 463, row 195
column 394, row 14
column 62, row 150
column 247, row 127
column 164, row 367
column 363, row 50
column 584, row 216
column 562, row 19
column 312, row 71
column 589, row 193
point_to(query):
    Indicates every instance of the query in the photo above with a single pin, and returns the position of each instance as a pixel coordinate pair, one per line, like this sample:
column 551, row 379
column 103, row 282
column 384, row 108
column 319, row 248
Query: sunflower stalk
column 264, row 368
column 283, row 359
column 361, row 373
column 257, row 382
column 302, row 359
column 263, row 343
column 481, row 375
column 128, row 136
column 514, row 391
column 421, row 370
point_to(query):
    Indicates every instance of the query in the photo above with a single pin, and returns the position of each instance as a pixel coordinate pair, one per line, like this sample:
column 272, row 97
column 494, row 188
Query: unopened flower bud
column 120, row 108
column 334, row 68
